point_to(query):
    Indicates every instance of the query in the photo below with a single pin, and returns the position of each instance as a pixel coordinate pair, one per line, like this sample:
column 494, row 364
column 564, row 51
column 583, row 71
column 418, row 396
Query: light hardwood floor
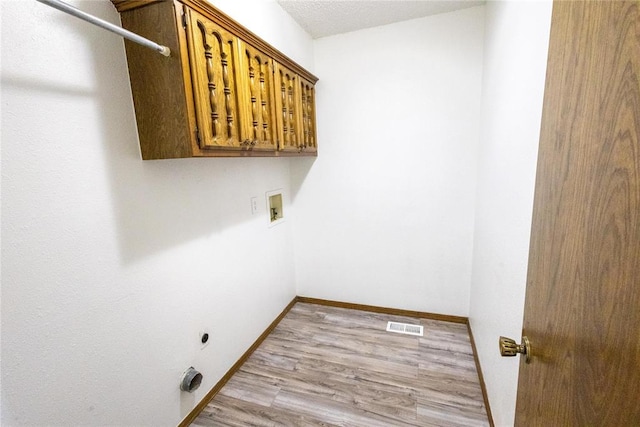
column 328, row 366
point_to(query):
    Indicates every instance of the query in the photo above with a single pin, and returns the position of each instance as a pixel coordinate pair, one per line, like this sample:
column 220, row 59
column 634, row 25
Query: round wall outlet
column 205, row 337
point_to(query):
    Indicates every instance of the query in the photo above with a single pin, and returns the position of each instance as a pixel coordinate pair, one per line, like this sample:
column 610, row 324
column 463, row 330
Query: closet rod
column 67, row 8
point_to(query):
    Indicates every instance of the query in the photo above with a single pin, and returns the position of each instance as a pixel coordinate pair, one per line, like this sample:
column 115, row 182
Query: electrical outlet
column 205, row 337
column 254, row 205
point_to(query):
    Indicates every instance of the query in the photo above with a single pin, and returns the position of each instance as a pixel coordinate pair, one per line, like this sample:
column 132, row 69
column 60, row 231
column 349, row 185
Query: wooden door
column 307, row 105
column 256, row 84
column 582, row 310
column 213, row 54
column 288, row 108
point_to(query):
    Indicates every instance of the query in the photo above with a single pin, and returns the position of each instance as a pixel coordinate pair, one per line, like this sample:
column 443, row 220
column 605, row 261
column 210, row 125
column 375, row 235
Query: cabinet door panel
column 212, row 53
column 308, row 102
column 288, row 109
column 256, row 81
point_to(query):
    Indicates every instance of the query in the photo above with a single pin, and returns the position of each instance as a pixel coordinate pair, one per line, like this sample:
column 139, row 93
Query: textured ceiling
column 322, row 18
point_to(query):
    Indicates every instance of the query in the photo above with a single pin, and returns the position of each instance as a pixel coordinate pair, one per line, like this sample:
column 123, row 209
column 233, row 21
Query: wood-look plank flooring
column 328, row 366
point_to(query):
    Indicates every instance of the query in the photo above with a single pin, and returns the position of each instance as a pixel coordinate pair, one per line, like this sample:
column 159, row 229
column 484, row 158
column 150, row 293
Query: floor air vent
column 405, row 328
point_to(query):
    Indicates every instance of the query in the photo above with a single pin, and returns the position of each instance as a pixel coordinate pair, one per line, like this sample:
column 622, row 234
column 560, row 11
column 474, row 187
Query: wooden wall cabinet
column 295, row 106
column 222, row 92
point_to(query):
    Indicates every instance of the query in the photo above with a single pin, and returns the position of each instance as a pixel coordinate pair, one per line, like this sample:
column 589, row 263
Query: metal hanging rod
column 67, row 8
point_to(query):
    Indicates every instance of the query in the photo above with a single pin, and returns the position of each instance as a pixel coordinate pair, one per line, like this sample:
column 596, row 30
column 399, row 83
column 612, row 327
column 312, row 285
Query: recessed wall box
column 275, row 207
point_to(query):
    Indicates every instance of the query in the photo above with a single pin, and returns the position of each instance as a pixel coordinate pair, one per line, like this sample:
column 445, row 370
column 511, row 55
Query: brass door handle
column 509, row 348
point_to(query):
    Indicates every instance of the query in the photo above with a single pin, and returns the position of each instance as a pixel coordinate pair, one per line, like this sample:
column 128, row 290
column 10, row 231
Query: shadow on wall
column 162, row 203
column 300, row 168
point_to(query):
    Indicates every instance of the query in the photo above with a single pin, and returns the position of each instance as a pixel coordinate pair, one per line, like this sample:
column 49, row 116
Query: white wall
column 515, row 58
column 112, row 265
column 384, row 216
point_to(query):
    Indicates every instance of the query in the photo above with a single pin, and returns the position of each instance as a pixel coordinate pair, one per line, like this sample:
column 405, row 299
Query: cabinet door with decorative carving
column 213, row 59
column 256, row 84
column 288, row 109
column 308, row 107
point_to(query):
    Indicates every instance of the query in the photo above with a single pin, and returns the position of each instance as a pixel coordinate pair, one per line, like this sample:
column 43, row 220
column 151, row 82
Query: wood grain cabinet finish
column 259, row 112
column 288, row 105
column 213, row 60
column 295, row 106
column 308, row 107
column 222, row 92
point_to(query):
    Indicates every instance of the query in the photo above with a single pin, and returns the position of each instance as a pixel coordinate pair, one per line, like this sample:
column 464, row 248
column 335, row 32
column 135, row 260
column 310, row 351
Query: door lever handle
column 509, row 348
